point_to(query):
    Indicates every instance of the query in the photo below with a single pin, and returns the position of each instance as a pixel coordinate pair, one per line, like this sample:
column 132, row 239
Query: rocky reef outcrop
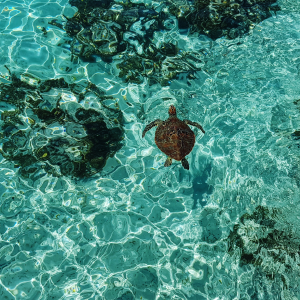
column 51, row 126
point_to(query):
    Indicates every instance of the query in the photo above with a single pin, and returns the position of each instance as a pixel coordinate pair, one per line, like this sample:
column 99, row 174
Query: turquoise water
column 225, row 229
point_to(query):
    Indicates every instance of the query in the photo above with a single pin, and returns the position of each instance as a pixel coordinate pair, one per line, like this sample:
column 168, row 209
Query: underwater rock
column 266, row 241
column 87, row 4
column 258, row 232
column 223, row 18
column 46, row 127
column 122, row 34
column 101, row 39
column 134, row 68
column 99, row 30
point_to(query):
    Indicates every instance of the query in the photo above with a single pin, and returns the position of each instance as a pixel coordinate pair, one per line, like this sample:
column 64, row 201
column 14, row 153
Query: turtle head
column 172, row 111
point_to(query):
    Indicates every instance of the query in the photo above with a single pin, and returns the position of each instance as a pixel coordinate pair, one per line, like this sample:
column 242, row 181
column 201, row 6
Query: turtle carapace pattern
column 174, row 137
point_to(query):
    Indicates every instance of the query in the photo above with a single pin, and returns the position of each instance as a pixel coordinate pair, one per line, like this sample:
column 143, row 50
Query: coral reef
column 50, row 127
column 123, row 34
column 267, row 241
column 217, row 18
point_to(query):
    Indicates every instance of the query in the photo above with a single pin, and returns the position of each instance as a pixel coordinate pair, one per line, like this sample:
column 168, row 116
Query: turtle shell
column 174, row 138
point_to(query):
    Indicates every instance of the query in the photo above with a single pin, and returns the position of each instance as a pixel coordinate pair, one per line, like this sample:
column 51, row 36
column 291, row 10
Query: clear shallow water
column 142, row 231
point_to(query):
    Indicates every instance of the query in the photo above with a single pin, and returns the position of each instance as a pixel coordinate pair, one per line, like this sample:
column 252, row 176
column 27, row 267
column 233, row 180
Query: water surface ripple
column 225, row 229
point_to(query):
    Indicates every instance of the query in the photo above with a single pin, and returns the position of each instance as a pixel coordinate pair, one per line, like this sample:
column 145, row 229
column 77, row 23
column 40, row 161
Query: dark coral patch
column 43, row 133
column 229, row 18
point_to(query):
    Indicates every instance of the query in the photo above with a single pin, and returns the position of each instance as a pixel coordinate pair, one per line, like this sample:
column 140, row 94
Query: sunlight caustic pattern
column 225, row 229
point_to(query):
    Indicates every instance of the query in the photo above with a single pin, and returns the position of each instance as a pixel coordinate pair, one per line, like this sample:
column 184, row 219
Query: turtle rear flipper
column 185, row 163
column 168, row 162
column 150, row 125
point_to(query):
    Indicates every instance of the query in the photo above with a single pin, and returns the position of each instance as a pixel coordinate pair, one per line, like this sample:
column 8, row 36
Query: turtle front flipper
column 168, row 162
column 194, row 124
column 185, row 163
column 150, row 125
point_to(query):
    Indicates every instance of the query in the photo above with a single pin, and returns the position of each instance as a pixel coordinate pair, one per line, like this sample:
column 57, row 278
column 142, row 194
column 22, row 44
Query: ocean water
column 225, row 229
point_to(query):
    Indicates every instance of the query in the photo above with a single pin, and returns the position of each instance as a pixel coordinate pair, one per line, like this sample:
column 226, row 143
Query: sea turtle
column 174, row 137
